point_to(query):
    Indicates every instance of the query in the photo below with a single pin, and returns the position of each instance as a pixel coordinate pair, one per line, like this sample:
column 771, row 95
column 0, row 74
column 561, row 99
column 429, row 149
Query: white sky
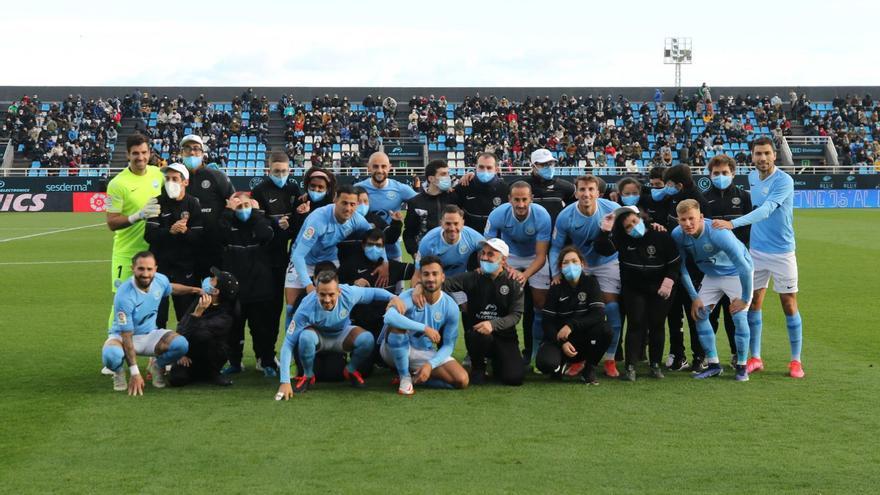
column 444, row 43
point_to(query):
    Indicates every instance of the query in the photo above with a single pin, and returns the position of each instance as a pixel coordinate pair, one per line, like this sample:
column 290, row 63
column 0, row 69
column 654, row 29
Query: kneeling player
column 407, row 340
column 322, row 323
column 574, row 324
column 134, row 331
column 728, row 270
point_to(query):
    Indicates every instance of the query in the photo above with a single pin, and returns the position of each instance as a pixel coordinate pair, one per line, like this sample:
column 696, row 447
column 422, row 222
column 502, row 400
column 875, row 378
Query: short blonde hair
column 687, row 204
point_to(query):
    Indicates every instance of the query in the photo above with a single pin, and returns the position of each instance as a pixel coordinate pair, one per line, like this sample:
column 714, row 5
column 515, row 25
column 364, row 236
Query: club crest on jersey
column 462, row 248
column 156, row 295
column 651, row 250
column 391, row 195
column 530, row 230
column 121, row 318
column 343, row 313
column 708, row 248
column 291, row 328
column 155, row 184
column 735, row 201
column 766, row 190
column 437, row 316
column 309, row 233
column 496, row 201
column 504, row 290
column 582, row 296
column 206, row 184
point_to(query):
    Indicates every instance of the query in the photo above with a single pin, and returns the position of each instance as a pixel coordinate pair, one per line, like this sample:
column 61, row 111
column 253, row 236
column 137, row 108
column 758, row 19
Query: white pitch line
column 52, row 262
column 50, row 232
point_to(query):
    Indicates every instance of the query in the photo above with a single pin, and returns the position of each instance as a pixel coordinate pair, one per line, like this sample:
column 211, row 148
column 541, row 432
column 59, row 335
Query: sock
column 363, row 347
column 612, row 312
column 741, row 336
column 399, row 345
column 112, row 356
column 537, row 332
column 795, row 334
column 707, row 340
column 438, row 383
column 176, row 350
column 306, row 348
column 288, row 315
column 755, row 326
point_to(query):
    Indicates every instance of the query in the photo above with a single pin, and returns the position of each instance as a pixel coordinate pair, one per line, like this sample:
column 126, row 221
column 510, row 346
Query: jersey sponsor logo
column 582, row 296
column 121, row 318
column 504, row 290
column 206, row 184
column 708, row 248
column 735, row 201
column 651, row 250
column 309, row 233
column 292, row 327
column 438, row 316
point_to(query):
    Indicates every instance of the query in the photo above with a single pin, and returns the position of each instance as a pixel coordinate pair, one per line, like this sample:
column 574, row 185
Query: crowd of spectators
column 852, row 122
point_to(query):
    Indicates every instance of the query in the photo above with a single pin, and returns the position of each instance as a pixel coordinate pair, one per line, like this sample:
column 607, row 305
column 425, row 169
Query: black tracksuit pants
column 507, row 365
column 645, row 320
column 590, row 346
column 264, row 332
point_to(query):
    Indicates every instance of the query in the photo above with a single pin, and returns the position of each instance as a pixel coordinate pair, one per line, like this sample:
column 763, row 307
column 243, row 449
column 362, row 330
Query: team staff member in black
column 356, row 268
column 174, row 237
column 425, row 210
column 727, row 202
column 679, row 186
column 213, row 189
column 481, row 192
column 653, row 201
column 246, row 233
column 207, row 326
column 276, row 195
column 649, row 270
column 574, row 323
column 351, row 245
column 494, row 307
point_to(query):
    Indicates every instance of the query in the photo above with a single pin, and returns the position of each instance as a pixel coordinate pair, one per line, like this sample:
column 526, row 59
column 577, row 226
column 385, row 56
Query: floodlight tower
column 677, row 51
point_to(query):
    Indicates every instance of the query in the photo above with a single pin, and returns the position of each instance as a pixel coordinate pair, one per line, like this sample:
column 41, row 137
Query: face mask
column 572, row 271
column 670, row 190
column 374, row 253
column 547, row 172
column 173, row 189
column 485, row 177
column 638, row 230
column 206, row 285
column 363, row 209
column 316, row 195
column 243, row 214
column 279, row 181
column 629, row 199
column 722, row 181
column 444, row 183
column 192, row 162
column 658, row 194
column 488, row 267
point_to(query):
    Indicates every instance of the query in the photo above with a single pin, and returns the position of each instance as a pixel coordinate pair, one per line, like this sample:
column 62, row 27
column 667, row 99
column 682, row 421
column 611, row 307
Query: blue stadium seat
column 252, row 147
column 432, row 147
column 380, row 114
column 245, row 115
column 261, row 155
column 308, row 147
column 251, row 156
column 252, row 139
column 261, row 147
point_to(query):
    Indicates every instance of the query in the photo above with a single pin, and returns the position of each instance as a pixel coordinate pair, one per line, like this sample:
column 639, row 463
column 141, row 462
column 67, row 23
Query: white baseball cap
column 179, row 167
column 625, row 209
column 498, row 245
column 542, row 155
column 192, row 137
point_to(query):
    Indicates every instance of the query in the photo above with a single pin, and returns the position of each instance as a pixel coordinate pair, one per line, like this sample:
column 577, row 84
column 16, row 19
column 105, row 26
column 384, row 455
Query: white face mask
column 173, row 189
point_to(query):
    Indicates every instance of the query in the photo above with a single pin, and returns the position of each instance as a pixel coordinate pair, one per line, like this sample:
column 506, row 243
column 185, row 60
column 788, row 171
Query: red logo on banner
column 89, row 202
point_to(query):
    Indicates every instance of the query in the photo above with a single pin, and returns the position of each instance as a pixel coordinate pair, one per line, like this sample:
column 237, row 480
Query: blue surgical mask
column 206, row 285
column 670, row 190
column 629, row 199
column 279, row 181
column 374, row 253
column 485, row 177
column 192, row 162
column 363, row 209
column 317, row 195
column 444, row 183
column 488, row 266
column 638, row 230
column 658, row 194
column 722, row 181
column 243, row 214
column 547, row 172
column 572, row 271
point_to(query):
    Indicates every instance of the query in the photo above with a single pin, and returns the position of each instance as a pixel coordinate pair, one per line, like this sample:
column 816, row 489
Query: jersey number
column 119, row 271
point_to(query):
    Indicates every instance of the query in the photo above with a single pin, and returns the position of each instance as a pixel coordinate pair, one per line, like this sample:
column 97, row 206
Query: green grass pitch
column 64, row 430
